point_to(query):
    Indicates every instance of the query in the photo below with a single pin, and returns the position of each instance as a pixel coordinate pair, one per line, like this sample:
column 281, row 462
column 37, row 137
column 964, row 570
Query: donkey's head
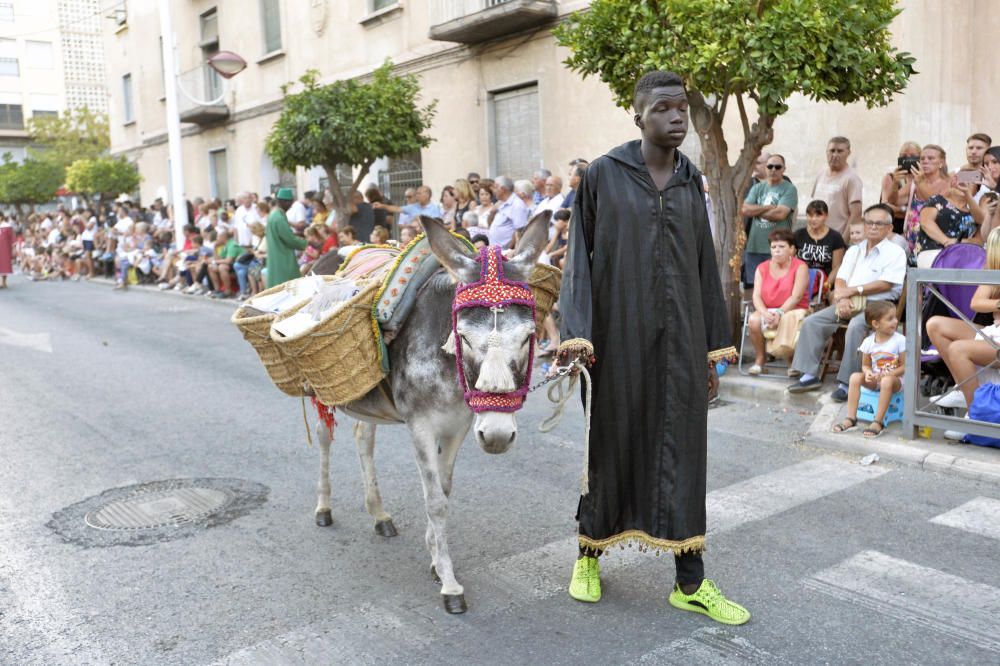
column 493, row 336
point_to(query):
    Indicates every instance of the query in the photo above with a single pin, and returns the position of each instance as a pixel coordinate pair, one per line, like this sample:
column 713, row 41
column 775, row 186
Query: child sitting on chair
column 882, row 362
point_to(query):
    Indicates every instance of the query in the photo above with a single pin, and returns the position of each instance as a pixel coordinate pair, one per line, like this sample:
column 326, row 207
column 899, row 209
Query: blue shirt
column 415, row 210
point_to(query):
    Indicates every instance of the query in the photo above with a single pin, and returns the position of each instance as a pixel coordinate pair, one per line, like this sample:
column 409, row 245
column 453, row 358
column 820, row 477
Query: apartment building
column 506, row 103
column 50, row 60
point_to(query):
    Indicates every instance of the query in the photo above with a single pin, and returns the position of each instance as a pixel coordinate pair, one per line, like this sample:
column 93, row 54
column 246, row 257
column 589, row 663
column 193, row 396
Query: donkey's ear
column 532, row 242
column 450, row 251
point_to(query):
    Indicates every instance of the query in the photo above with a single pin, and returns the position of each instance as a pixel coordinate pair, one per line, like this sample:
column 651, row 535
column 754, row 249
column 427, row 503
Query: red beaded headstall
column 493, row 291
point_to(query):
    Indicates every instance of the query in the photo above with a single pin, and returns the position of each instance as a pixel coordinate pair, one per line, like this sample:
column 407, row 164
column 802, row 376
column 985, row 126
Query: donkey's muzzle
column 496, row 432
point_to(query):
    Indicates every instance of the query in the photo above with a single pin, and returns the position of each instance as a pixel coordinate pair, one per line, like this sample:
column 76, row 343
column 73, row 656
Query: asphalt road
column 839, row 563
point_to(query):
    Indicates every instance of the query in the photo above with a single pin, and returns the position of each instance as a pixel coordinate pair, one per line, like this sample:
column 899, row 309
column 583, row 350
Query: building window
column 218, row 174
column 515, row 141
column 127, row 109
column 11, row 116
column 44, row 105
column 7, row 12
column 378, row 5
column 38, row 55
column 210, row 46
column 8, row 58
column 119, row 13
column 270, row 16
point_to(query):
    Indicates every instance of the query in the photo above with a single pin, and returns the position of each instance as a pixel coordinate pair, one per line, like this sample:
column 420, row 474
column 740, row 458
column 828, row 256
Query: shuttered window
column 517, row 145
column 270, row 16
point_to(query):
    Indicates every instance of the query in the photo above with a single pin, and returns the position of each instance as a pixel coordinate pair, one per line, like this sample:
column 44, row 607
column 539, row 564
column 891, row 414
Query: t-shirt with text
column 818, row 253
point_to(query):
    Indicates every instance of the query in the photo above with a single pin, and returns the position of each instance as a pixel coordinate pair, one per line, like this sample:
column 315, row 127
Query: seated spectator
column 818, row 245
column 474, row 223
column 379, row 236
column 480, row 241
column 348, row 241
column 883, row 359
column 871, row 271
column 220, row 268
column 947, row 220
column 961, row 348
column 553, row 195
column 558, row 238
column 407, row 234
column 771, row 203
column 525, row 191
column 780, row 300
column 449, row 207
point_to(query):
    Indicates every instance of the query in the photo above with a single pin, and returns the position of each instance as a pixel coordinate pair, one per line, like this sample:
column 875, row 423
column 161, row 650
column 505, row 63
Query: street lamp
column 227, row 64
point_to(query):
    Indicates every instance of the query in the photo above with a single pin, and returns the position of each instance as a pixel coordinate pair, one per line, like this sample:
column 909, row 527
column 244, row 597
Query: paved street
column 839, row 563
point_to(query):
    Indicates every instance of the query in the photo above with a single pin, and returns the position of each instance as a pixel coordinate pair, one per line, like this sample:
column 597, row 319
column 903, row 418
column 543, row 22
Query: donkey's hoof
column 385, row 528
column 434, row 575
column 454, row 604
column 324, row 518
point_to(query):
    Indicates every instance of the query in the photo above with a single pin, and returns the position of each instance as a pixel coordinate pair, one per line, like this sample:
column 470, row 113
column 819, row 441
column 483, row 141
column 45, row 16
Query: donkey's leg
column 364, row 439
column 324, row 516
column 447, row 452
column 425, row 442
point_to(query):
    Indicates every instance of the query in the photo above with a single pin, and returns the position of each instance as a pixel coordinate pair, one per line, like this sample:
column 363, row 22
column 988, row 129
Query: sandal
column 847, row 424
column 756, row 369
column 871, row 433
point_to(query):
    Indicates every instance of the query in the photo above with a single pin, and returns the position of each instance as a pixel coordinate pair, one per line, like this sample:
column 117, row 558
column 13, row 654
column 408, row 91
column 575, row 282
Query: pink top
column 6, row 249
column 775, row 291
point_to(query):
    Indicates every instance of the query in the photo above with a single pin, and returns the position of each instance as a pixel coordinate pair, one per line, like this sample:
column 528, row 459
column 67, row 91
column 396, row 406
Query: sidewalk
column 935, row 454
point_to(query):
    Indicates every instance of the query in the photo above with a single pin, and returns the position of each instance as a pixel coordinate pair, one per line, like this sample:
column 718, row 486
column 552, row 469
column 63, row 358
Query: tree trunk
column 341, row 205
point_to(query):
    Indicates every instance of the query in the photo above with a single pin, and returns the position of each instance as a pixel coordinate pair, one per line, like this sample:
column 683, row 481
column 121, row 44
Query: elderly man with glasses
column 771, row 204
column 871, row 271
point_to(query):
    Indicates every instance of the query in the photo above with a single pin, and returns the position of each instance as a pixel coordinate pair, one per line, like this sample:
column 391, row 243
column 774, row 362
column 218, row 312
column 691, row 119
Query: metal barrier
column 917, row 281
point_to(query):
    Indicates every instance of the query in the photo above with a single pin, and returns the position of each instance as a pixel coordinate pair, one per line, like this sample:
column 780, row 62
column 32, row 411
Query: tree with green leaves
column 349, row 122
column 29, row 183
column 751, row 54
column 73, row 135
column 105, row 176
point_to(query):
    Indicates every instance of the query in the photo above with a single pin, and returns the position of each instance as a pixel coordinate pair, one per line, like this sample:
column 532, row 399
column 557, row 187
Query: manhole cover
column 156, row 511
column 152, row 510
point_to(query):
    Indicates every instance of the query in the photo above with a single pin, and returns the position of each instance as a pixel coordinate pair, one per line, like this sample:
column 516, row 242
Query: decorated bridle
column 493, row 291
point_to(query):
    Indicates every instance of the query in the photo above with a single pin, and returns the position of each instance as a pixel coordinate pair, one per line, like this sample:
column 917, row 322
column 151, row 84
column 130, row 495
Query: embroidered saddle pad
column 368, row 263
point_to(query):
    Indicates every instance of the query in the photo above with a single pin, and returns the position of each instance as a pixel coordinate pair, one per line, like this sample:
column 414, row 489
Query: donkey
column 423, row 390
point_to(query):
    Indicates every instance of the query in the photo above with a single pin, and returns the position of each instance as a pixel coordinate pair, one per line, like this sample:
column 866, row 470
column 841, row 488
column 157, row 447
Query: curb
column 146, row 289
column 900, row 450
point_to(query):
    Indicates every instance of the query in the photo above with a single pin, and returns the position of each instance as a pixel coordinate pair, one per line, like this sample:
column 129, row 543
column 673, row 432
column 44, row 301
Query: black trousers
column 690, row 566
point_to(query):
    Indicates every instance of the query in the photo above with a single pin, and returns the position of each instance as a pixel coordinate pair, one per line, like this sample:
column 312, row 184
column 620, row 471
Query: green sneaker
column 708, row 600
column 586, row 583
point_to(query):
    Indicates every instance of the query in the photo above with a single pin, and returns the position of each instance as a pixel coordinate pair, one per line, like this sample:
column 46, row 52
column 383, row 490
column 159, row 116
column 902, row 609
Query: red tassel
column 325, row 415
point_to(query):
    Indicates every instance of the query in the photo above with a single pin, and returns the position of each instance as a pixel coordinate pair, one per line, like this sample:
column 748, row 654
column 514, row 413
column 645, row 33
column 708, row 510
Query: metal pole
column 173, row 126
column 911, row 375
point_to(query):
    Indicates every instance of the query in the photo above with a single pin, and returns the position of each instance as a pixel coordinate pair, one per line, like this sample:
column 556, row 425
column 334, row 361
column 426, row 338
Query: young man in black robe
column 641, row 293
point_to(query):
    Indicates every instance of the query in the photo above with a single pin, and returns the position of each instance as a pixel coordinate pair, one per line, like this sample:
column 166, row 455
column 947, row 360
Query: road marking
column 979, row 516
column 544, row 572
column 960, row 608
column 37, row 341
column 711, row 647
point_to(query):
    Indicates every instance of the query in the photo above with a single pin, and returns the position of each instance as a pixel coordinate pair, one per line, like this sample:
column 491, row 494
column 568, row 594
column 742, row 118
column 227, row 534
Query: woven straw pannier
column 545, row 281
column 339, row 356
column 256, row 329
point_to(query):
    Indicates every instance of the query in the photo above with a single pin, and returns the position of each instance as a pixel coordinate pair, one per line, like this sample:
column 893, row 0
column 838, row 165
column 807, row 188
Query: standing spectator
column 409, row 197
column 874, row 270
column 553, row 200
column 298, row 215
column 282, row 242
column 898, row 187
column 930, row 179
column 759, row 176
column 320, row 211
column 413, row 211
column 474, row 179
column 510, row 215
column 382, row 218
column 839, row 186
column 991, row 172
column 975, row 149
column 449, row 207
column 243, row 217
column 466, row 200
column 362, row 215
column 484, row 208
column 575, row 174
column 820, row 246
column 538, row 178
column 87, row 237
column 771, row 204
column 6, row 251
column 124, row 222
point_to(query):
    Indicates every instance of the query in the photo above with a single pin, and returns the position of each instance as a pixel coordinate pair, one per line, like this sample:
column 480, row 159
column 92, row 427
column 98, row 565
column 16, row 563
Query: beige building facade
column 506, row 104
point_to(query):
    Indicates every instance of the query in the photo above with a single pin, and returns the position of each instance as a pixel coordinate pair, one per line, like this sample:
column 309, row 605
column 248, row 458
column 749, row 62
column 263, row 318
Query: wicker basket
column 545, row 281
column 339, row 357
column 256, row 329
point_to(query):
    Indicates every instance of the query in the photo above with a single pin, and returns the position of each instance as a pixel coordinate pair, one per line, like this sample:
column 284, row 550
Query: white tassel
column 449, row 345
column 494, row 373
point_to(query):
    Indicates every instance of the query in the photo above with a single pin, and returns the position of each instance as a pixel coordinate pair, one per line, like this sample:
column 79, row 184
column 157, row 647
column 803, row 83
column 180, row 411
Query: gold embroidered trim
column 719, row 354
column 695, row 544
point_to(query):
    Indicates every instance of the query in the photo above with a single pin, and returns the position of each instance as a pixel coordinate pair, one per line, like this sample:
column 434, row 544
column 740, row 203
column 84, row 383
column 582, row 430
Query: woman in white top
column 85, row 265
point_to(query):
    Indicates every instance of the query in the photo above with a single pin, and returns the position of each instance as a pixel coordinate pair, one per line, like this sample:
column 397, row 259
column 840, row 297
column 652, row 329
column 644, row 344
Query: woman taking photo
column 780, row 300
column 898, row 187
column 946, row 220
column 929, row 179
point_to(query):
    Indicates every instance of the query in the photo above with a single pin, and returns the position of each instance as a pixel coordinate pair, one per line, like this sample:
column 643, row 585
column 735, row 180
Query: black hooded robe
column 641, row 283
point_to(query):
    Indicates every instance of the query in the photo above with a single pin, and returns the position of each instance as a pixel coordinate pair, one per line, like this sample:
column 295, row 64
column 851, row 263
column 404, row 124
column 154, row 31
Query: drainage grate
column 153, row 510
column 157, row 511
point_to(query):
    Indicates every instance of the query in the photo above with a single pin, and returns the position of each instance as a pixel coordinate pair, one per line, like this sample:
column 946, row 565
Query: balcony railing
column 471, row 21
column 200, row 85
